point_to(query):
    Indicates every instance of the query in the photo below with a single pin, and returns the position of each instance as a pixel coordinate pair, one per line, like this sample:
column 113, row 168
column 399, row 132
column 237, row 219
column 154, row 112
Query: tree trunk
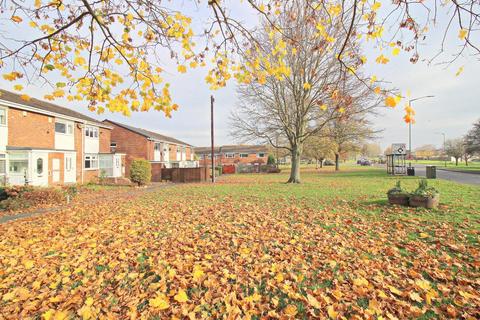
column 456, row 161
column 295, row 168
column 466, row 161
column 337, row 161
column 321, row 163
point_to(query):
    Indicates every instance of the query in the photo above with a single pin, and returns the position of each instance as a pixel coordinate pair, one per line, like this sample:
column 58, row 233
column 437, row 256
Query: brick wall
column 33, row 130
column 91, row 176
column 134, row 145
column 105, row 138
column 252, row 158
column 173, row 152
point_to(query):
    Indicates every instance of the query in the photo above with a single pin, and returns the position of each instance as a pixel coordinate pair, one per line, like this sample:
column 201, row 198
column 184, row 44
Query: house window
column 261, row 155
column 91, row 132
column 156, row 147
column 91, row 161
column 60, row 127
column 243, row 155
column 229, row 155
column 3, row 116
column 69, row 128
column 68, row 164
column 18, row 166
column 113, row 145
column 39, row 166
column 3, row 164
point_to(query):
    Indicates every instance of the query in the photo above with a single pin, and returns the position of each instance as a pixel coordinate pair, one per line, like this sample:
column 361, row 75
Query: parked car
column 364, row 162
column 328, row 162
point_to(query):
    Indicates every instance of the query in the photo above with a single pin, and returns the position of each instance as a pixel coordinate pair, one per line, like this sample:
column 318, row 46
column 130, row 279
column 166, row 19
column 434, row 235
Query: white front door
column 40, row 169
column 55, row 170
column 69, row 175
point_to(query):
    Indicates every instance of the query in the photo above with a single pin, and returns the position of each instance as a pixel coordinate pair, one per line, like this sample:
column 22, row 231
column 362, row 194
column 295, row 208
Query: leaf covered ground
column 249, row 247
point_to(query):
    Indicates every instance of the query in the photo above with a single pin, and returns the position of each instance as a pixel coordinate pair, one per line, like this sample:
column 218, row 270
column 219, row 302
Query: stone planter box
column 399, row 199
column 425, row 202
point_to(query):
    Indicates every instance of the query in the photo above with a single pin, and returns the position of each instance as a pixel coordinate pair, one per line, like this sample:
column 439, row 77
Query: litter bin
column 431, row 172
column 410, row 171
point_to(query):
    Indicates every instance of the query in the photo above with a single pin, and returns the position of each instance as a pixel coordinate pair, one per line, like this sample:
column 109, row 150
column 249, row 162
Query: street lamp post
column 410, row 127
column 444, row 149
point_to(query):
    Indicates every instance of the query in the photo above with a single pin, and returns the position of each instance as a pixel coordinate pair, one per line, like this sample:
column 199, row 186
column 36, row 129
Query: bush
column 271, row 159
column 3, row 194
column 424, row 190
column 22, row 197
column 140, row 171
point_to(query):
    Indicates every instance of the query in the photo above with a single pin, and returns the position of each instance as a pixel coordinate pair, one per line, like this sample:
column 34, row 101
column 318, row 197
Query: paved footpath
column 128, row 193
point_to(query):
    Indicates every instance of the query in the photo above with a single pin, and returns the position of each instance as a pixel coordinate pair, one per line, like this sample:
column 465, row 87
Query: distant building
column 233, row 154
column 152, row 146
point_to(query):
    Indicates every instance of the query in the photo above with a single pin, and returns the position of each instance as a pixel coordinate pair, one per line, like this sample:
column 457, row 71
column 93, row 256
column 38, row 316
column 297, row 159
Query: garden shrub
column 271, row 159
column 22, row 197
column 140, row 171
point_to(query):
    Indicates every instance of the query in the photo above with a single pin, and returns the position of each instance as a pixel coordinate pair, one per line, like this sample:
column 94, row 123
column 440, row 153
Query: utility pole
column 212, row 100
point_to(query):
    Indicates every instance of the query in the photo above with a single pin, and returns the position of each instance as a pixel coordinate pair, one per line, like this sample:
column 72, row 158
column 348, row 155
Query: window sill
column 90, row 169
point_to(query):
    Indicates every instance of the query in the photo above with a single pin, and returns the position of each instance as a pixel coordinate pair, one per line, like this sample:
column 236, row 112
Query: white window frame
column 5, row 120
column 94, row 162
column 230, row 155
column 3, row 176
column 68, row 127
column 91, row 132
column 243, row 155
column 68, row 163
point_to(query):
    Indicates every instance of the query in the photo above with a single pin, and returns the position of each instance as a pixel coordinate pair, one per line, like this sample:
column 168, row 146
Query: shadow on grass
column 379, row 202
column 359, row 173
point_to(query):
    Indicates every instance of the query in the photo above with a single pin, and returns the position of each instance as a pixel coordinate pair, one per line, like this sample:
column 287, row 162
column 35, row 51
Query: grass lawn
column 250, row 247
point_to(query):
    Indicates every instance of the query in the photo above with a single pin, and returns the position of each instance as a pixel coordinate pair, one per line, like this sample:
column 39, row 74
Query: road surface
column 461, row 177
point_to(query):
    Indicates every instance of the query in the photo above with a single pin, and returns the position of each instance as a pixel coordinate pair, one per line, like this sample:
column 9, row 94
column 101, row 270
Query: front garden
column 250, row 247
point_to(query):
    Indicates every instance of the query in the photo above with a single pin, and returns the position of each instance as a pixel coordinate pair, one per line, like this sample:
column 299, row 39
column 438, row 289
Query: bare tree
column 316, row 91
column 319, row 147
column 348, row 134
column 455, row 148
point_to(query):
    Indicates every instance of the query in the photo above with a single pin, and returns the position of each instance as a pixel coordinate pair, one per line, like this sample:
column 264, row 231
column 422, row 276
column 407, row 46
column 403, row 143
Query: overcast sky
column 452, row 111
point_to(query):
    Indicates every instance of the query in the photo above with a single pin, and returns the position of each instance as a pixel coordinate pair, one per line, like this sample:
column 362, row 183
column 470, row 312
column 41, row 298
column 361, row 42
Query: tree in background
column 455, row 148
column 472, row 139
column 348, row 134
column 371, row 150
column 319, row 147
column 388, row 150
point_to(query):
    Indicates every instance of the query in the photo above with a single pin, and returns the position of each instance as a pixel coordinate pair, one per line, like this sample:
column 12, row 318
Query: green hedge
column 141, row 171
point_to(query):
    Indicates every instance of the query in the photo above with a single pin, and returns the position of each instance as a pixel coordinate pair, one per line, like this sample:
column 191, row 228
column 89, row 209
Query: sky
column 452, row 111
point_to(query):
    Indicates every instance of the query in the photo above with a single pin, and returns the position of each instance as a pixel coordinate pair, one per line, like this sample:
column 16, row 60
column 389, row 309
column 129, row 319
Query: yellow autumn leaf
column 430, row 295
column 323, row 107
column 313, row 301
column 181, row 296
column 25, row 97
column 181, row 68
column 307, row 86
column 47, row 315
column 376, row 6
column 390, row 101
column 395, row 290
column 423, row 235
column 462, row 34
column 16, row 19
column 459, row 71
column 291, row 310
column 160, row 302
column 279, row 277
column 8, row 296
column 89, row 301
column 331, row 312
column 18, row 87
column 197, row 273
column 395, row 51
column 61, row 315
column 360, row 282
column 423, row 284
column 381, row 59
column 415, row 297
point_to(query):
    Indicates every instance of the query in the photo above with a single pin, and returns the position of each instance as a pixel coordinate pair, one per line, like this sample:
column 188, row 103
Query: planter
column 398, row 198
column 425, row 202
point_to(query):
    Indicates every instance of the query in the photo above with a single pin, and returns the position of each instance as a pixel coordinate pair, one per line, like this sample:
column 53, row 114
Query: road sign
column 399, row 148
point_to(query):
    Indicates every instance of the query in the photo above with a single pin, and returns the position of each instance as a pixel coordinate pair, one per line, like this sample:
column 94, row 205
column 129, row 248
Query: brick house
column 165, row 151
column 233, row 155
column 44, row 144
